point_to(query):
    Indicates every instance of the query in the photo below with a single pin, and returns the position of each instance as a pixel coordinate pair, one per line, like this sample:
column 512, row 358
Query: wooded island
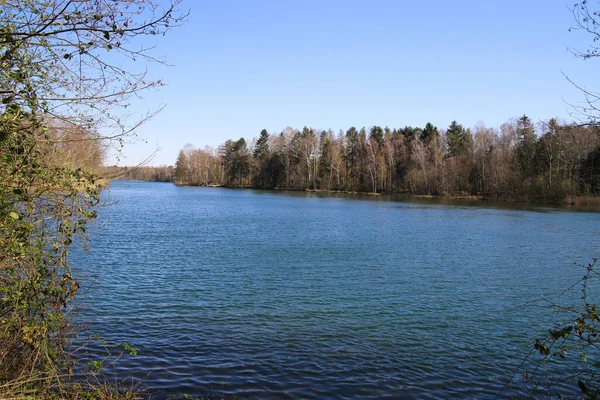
column 552, row 161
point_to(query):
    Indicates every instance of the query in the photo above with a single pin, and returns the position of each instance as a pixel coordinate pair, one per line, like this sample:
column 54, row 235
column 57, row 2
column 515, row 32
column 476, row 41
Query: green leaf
column 13, row 215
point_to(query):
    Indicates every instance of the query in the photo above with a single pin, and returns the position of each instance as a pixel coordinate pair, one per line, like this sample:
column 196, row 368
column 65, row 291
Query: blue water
column 260, row 294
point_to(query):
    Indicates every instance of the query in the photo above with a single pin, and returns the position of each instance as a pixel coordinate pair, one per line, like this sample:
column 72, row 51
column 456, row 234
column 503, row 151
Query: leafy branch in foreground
column 67, row 70
column 570, row 351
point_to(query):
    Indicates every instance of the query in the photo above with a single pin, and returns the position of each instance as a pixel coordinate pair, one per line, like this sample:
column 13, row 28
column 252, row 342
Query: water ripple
column 269, row 295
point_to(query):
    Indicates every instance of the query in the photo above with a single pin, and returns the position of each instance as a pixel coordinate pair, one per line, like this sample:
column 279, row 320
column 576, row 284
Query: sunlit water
column 260, row 294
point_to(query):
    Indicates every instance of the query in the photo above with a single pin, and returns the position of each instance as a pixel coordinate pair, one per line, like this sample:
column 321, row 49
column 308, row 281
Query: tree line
column 520, row 160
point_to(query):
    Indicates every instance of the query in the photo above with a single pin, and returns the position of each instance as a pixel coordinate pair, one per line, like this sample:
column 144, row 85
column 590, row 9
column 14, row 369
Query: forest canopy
column 549, row 160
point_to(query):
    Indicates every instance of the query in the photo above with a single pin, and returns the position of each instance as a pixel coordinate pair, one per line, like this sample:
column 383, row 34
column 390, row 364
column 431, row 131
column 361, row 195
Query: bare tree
column 587, row 20
column 68, row 69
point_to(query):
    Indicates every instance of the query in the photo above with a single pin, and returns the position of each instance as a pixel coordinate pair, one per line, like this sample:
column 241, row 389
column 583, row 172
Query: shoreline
column 587, row 202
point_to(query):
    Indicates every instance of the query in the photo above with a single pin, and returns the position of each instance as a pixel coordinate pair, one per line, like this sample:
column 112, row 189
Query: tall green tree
column 376, row 135
column 261, row 156
column 458, row 139
column 261, row 150
column 410, row 132
column 279, row 161
column 351, row 156
column 429, row 133
column 240, row 162
column 326, row 159
column 181, row 168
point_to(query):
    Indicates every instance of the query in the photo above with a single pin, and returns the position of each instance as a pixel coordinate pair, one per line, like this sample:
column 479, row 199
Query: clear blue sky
column 241, row 66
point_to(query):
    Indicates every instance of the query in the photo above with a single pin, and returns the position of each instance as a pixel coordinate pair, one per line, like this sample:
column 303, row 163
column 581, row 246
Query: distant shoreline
column 587, row 202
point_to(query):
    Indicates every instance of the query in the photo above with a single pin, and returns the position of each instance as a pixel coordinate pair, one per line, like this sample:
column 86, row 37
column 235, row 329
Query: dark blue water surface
column 260, row 294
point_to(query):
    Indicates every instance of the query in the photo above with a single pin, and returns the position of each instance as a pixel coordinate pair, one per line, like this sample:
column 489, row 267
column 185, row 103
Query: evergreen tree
column 261, row 157
column 226, row 153
column 527, row 144
column 458, row 139
column 429, row 133
column 181, row 168
column 239, row 165
column 410, row 132
column 376, row 134
column 325, row 161
column 352, row 152
column 261, row 150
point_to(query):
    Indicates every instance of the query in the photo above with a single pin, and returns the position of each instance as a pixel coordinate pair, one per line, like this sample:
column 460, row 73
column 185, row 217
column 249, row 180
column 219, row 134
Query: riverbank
column 585, row 202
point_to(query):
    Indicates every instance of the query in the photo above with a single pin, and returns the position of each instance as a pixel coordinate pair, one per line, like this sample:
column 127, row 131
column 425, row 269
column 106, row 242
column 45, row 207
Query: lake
column 261, row 294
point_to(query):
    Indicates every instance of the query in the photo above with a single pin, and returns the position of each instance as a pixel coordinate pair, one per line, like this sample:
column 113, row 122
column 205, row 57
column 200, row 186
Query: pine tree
column 181, row 168
column 458, row 139
column 261, row 156
column 261, row 150
column 527, row 144
column 429, row 133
